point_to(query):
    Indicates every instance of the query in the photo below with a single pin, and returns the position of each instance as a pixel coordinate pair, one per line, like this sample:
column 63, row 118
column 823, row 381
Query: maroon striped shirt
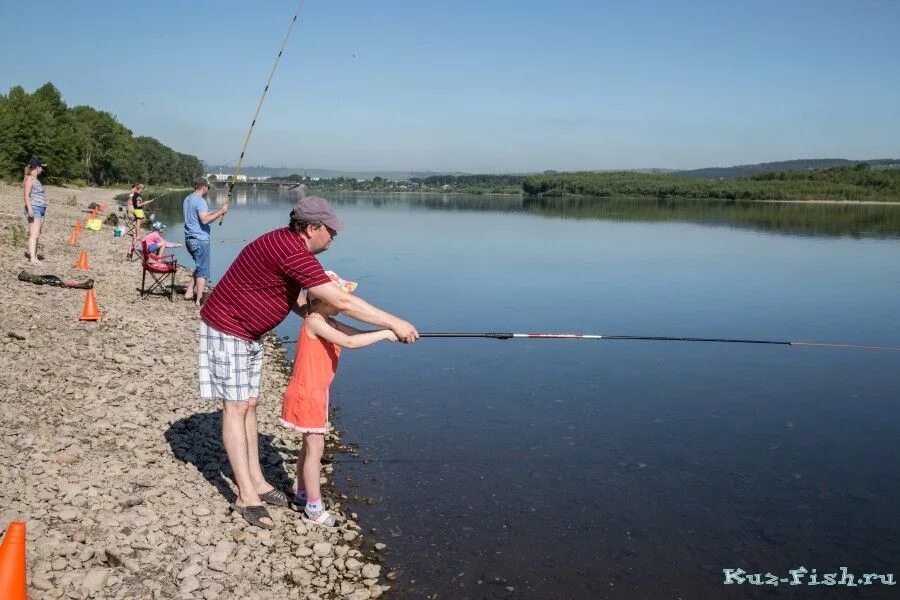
column 262, row 284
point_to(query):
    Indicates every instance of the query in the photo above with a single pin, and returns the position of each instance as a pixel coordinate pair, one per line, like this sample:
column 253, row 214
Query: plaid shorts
column 230, row 368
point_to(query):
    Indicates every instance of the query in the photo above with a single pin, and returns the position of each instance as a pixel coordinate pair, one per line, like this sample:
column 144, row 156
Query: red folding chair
column 161, row 270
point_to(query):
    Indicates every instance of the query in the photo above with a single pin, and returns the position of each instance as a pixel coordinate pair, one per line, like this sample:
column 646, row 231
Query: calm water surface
column 585, row 469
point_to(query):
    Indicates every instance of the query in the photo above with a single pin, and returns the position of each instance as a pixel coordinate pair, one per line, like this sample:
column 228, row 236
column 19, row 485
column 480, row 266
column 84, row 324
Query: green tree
column 82, row 143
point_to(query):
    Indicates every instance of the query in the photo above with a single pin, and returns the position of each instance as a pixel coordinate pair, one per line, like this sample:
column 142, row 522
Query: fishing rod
column 650, row 338
column 262, row 99
column 154, row 199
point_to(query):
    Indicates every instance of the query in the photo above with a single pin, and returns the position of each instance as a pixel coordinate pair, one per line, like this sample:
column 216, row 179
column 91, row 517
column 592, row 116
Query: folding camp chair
column 134, row 248
column 161, row 270
column 129, row 223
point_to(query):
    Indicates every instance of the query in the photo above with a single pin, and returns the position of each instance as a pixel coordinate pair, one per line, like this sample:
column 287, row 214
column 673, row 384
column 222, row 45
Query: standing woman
column 137, row 208
column 35, row 206
column 129, row 207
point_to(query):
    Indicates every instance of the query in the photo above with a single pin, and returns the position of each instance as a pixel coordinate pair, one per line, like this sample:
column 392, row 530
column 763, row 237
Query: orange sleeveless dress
column 304, row 407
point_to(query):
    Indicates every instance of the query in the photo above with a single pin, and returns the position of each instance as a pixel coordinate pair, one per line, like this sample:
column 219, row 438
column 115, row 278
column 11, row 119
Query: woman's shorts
column 138, row 213
column 37, row 211
column 199, row 251
column 154, row 248
column 230, row 368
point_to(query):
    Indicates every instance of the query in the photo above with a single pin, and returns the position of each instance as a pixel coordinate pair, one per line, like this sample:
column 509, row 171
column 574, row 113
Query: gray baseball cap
column 313, row 208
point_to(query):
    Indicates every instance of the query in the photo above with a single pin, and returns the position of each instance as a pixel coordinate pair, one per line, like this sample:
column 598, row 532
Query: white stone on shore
column 95, row 580
column 189, row 585
column 41, row 583
column 371, row 571
column 352, row 564
column 189, row 571
column 68, row 514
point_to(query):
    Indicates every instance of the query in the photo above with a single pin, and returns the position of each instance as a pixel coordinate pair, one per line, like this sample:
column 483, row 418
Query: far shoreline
column 670, row 198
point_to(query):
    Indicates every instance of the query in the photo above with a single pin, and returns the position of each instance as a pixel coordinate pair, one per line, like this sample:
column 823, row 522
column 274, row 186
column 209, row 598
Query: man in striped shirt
column 259, row 289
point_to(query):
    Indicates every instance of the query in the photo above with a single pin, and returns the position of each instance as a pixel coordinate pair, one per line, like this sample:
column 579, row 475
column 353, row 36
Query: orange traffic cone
column 77, row 226
column 82, row 261
column 12, row 563
column 73, row 239
column 90, row 312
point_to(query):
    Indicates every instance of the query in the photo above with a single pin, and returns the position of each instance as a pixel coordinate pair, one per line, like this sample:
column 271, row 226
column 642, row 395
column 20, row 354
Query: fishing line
column 262, row 99
column 651, row 338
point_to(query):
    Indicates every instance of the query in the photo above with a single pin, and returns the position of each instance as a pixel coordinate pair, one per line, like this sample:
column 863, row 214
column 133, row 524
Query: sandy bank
column 110, row 457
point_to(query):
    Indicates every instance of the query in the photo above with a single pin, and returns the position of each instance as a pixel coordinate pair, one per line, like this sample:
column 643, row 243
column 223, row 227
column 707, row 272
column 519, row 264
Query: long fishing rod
column 262, row 99
column 154, row 199
column 650, row 338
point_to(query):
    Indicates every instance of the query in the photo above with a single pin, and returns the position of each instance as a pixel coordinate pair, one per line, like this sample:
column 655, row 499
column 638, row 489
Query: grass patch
column 17, row 235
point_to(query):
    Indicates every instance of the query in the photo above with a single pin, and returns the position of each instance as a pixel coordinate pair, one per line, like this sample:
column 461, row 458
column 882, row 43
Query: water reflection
column 818, row 219
column 813, row 219
column 857, row 220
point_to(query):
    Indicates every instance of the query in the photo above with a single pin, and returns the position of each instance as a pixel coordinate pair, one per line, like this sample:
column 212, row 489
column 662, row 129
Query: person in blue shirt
column 197, row 218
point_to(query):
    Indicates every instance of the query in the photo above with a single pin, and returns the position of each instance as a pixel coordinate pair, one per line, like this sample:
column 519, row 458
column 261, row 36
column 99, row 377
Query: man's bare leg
column 189, row 292
column 234, row 438
column 260, row 485
column 201, row 285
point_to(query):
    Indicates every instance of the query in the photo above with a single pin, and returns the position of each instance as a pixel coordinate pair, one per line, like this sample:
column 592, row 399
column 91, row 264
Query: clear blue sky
column 492, row 85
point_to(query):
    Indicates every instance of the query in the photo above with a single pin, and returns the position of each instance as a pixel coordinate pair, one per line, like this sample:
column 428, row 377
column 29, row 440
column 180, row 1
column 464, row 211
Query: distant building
column 225, row 177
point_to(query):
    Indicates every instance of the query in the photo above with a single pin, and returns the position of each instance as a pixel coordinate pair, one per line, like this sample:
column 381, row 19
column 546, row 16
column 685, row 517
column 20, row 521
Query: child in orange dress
column 305, row 404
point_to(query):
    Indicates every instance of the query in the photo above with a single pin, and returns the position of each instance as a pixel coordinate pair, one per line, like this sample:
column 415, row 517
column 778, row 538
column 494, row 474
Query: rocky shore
column 111, row 458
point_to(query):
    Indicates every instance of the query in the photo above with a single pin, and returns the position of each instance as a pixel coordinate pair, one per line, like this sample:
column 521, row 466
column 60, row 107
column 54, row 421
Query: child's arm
column 320, row 327
column 344, row 328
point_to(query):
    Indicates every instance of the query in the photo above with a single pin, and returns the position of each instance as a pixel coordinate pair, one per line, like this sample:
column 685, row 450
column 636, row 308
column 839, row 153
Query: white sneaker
column 323, row 519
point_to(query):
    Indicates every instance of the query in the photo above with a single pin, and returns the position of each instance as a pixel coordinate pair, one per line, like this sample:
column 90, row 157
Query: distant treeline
column 860, row 182
column 802, row 164
column 81, row 144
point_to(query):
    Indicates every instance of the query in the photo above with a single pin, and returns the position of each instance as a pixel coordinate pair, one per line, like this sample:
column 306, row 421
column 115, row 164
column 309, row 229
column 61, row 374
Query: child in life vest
column 305, row 404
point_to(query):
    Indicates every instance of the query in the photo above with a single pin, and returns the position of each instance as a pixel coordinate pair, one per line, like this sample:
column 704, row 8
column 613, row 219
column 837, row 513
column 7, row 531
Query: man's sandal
column 254, row 515
column 275, row 498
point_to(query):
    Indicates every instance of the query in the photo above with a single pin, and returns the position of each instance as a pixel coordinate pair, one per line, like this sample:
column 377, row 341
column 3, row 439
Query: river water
column 615, row 469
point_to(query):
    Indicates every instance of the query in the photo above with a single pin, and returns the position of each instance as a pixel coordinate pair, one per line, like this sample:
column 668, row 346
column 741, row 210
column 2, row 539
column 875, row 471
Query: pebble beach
column 110, row 457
